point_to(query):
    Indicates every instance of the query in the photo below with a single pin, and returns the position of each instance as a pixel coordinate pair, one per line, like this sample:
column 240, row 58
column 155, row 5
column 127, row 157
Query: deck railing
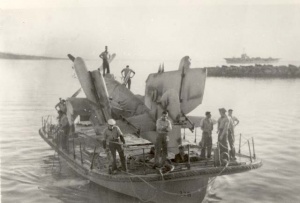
column 50, row 127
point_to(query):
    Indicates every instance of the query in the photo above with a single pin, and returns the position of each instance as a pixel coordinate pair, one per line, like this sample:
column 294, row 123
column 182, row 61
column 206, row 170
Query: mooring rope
column 244, row 143
column 223, row 146
column 53, row 160
column 201, row 188
column 140, row 198
column 245, row 137
column 171, row 193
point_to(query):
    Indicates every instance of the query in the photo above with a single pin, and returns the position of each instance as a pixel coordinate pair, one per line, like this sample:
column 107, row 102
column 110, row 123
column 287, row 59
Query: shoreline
column 11, row 56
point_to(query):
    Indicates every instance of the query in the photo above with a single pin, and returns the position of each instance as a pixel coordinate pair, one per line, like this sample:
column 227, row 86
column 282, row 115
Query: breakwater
column 268, row 71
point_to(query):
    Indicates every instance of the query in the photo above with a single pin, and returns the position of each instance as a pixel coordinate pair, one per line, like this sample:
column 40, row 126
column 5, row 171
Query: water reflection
column 61, row 182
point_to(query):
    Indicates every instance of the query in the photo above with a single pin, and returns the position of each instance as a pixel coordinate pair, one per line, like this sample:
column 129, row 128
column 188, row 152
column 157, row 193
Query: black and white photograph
column 133, row 101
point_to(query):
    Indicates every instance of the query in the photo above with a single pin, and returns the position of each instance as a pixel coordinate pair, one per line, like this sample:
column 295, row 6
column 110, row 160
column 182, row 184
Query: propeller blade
column 72, row 58
column 76, row 93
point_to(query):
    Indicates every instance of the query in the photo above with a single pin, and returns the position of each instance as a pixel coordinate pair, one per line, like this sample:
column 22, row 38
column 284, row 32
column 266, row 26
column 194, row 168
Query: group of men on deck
column 114, row 139
column 226, row 125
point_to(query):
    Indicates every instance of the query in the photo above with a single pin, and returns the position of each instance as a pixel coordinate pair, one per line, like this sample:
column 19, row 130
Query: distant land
column 11, row 56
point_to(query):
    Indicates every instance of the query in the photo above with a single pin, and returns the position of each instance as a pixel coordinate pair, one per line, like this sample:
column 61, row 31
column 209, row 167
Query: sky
column 151, row 30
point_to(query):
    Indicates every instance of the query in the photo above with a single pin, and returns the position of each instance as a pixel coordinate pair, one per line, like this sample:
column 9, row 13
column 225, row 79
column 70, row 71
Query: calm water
column 268, row 110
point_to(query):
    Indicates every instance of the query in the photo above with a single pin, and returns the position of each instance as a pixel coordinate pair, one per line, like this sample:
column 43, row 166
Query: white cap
column 111, row 122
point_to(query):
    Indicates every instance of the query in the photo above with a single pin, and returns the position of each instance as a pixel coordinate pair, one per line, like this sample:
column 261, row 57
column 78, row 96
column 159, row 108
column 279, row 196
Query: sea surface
column 268, row 110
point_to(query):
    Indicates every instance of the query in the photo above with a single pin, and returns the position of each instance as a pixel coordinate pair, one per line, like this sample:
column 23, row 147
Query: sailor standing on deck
column 64, row 124
column 223, row 125
column 105, row 57
column 125, row 73
column 207, row 128
column 163, row 126
column 111, row 139
column 233, row 121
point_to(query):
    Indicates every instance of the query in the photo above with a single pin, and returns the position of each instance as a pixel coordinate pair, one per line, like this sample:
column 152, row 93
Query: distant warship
column 245, row 59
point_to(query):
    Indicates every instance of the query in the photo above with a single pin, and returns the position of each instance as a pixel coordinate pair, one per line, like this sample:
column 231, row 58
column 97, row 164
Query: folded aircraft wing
column 188, row 83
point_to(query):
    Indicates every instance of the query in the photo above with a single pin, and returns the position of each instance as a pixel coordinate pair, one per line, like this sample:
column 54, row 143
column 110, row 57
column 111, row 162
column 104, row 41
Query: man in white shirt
column 207, row 128
column 163, row 126
column 223, row 125
column 113, row 137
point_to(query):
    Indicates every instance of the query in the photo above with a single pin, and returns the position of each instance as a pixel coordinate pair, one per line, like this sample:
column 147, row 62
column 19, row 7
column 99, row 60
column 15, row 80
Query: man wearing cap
column 105, row 57
column 163, row 126
column 207, row 128
column 125, row 75
column 223, row 125
column 233, row 121
column 111, row 138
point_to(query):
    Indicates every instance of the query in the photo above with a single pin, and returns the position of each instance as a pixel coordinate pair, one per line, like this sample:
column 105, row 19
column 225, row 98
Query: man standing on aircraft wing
column 105, row 57
column 126, row 74
column 111, row 139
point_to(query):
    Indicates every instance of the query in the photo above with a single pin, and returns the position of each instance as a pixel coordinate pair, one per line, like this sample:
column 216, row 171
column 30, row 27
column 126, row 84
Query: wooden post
column 92, row 164
column 195, row 135
column 217, row 161
column 184, row 133
column 254, row 156
column 126, row 165
column 81, row 154
column 58, row 138
column 74, row 146
column 47, row 120
column 249, row 151
column 240, row 143
column 144, row 163
column 189, row 161
column 45, row 124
